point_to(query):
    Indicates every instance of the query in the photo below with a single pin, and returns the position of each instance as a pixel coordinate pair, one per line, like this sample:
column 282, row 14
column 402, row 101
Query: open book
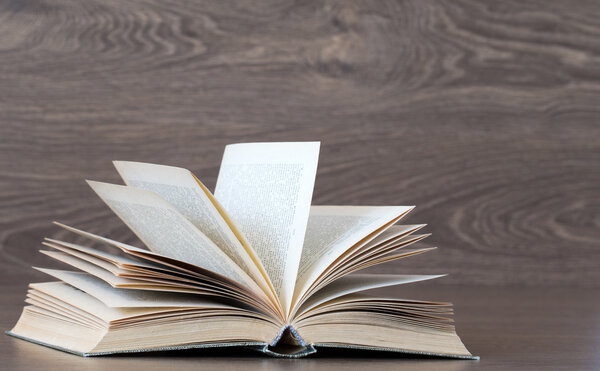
column 253, row 265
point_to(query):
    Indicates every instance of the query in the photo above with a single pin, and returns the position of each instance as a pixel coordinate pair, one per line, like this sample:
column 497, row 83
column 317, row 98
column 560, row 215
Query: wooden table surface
column 509, row 328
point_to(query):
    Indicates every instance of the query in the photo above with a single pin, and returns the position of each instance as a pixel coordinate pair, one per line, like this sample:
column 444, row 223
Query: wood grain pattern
column 486, row 115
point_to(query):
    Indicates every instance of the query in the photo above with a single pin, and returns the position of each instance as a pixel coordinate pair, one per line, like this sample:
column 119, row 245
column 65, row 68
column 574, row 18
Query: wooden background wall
column 484, row 114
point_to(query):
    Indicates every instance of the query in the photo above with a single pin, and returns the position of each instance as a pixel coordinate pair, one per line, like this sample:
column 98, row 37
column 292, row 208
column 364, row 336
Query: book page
column 165, row 231
column 164, row 263
column 79, row 299
column 115, row 297
column 117, row 259
column 359, row 282
column 73, row 258
column 266, row 188
column 332, row 230
column 128, row 266
column 124, row 278
column 371, row 251
column 375, row 260
column 193, row 200
column 386, row 248
column 392, row 234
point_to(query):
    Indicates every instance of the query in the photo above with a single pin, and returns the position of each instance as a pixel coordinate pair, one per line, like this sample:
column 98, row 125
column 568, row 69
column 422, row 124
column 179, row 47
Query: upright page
column 266, row 188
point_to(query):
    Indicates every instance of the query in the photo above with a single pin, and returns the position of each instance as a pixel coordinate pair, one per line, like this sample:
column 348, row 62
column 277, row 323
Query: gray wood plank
column 483, row 114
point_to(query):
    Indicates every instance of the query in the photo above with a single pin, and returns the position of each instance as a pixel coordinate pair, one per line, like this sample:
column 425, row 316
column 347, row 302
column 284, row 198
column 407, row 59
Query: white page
column 332, row 230
column 129, row 249
column 388, row 257
column 165, row 231
column 365, row 264
column 67, row 256
column 359, row 282
column 167, row 263
column 121, row 260
column 266, row 188
column 115, row 297
column 88, row 303
column 376, row 251
column 131, row 266
column 95, row 270
column 192, row 199
column 392, row 234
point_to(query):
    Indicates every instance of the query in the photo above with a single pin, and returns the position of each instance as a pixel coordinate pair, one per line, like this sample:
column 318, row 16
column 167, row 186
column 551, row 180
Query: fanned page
column 193, row 200
column 126, row 298
column 332, row 230
column 357, row 283
column 165, row 231
column 266, row 189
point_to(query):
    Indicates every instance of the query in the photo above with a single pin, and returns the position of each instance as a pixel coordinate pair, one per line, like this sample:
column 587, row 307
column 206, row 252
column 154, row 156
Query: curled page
column 333, row 230
column 165, row 231
column 87, row 303
column 193, row 200
column 357, row 283
column 114, row 297
column 266, row 188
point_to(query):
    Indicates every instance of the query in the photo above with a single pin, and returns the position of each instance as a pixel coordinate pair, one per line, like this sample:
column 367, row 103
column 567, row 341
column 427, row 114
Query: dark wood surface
column 509, row 328
column 485, row 115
